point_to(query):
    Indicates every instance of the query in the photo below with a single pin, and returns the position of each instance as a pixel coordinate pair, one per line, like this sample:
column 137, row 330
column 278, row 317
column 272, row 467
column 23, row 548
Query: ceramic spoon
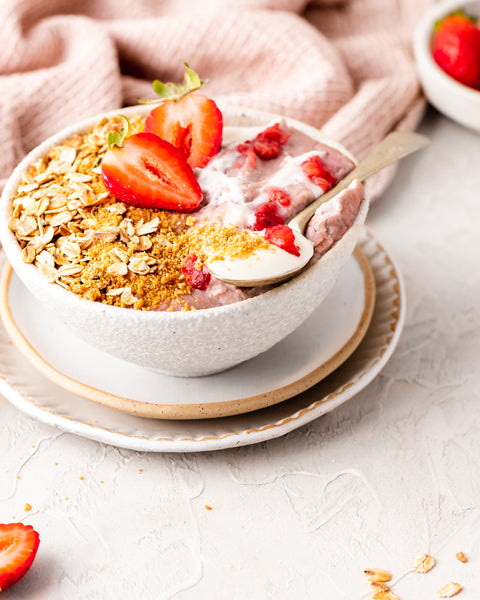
column 264, row 268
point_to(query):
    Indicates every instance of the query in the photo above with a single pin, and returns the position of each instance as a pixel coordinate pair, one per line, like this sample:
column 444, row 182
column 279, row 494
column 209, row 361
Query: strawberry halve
column 151, row 173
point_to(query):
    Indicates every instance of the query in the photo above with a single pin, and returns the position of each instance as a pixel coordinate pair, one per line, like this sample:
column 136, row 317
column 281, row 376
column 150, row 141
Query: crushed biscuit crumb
column 27, row 507
column 461, row 557
column 208, row 507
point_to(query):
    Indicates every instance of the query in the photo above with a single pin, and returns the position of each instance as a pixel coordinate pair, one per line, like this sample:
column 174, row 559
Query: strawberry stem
column 116, row 138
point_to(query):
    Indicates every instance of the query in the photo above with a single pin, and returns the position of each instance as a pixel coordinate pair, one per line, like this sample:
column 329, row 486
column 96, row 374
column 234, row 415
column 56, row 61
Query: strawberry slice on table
column 18, row 547
column 191, row 122
column 456, row 48
column 149, row 172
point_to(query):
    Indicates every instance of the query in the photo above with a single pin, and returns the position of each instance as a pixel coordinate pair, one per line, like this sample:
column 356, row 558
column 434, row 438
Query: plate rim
column 197, row 410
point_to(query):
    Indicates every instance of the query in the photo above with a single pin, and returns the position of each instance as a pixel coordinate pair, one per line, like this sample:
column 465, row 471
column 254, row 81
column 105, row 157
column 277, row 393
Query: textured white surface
column 393, row 473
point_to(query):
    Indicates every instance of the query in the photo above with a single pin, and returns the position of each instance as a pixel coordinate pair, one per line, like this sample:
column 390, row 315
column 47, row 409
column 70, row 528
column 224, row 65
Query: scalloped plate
column 32, row 392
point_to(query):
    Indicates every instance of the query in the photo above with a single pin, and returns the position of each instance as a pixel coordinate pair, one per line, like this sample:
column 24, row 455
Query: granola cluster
column 83, row 239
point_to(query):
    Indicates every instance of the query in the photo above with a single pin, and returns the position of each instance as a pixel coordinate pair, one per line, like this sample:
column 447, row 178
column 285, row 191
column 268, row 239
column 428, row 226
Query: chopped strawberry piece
column 456, row 48
column 266, row 145
column 198, row 276
column 248, row 151
column 151, row 173
column 315, row 170
column 18, row 547
column 193, row 124
column 283, row 237
column 266, row 215
column 277, row 195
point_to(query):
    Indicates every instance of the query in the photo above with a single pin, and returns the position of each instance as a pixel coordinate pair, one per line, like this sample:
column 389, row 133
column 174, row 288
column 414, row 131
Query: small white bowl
column 185, row 343
column 455, row 100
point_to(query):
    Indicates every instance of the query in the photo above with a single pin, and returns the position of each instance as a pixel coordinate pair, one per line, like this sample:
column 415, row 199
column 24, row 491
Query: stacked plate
column 56, row 378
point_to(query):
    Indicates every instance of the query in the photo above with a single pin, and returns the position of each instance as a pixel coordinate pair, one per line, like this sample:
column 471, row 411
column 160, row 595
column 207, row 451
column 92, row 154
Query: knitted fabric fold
column 344, row 67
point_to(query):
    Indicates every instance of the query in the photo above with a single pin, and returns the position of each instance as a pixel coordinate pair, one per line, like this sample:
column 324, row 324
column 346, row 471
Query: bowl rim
column 422, row 41
column 30, row 272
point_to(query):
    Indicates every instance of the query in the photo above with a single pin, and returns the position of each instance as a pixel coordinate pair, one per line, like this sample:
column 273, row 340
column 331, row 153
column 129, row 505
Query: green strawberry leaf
column 116, row 138
column 162, row 90
column 191, row 80
column 175, row 91
column 455, row 13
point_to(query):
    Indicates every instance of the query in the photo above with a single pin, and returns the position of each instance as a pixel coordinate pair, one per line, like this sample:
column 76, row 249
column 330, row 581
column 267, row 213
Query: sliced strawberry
column 456, row 48
column 267, row 145
column 151, row 173
column 193, row 124
column 315, row 170
column 18, row 547
column 283, row 237
column 266, row 215
column 197, row 274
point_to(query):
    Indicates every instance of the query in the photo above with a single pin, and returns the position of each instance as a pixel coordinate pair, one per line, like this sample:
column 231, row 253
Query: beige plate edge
column 189, row 411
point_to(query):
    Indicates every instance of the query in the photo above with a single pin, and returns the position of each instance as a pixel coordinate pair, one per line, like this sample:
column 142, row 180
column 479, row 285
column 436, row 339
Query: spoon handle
column 394, row 146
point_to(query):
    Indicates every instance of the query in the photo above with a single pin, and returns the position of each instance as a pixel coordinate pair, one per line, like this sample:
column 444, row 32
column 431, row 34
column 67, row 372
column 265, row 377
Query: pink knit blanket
column 344, row 66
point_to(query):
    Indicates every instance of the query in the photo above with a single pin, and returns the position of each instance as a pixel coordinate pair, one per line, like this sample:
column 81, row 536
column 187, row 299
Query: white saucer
column 289, row 366
column 301, row 360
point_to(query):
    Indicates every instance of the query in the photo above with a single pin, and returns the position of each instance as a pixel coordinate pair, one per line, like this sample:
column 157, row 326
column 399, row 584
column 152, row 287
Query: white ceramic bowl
column 184, row 343
column 455, row 100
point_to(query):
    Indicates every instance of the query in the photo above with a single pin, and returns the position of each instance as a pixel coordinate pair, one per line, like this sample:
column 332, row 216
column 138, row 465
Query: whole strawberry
column 456, row 48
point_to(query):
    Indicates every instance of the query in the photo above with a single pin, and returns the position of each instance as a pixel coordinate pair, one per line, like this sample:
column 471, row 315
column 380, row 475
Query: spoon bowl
column 266, row 267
